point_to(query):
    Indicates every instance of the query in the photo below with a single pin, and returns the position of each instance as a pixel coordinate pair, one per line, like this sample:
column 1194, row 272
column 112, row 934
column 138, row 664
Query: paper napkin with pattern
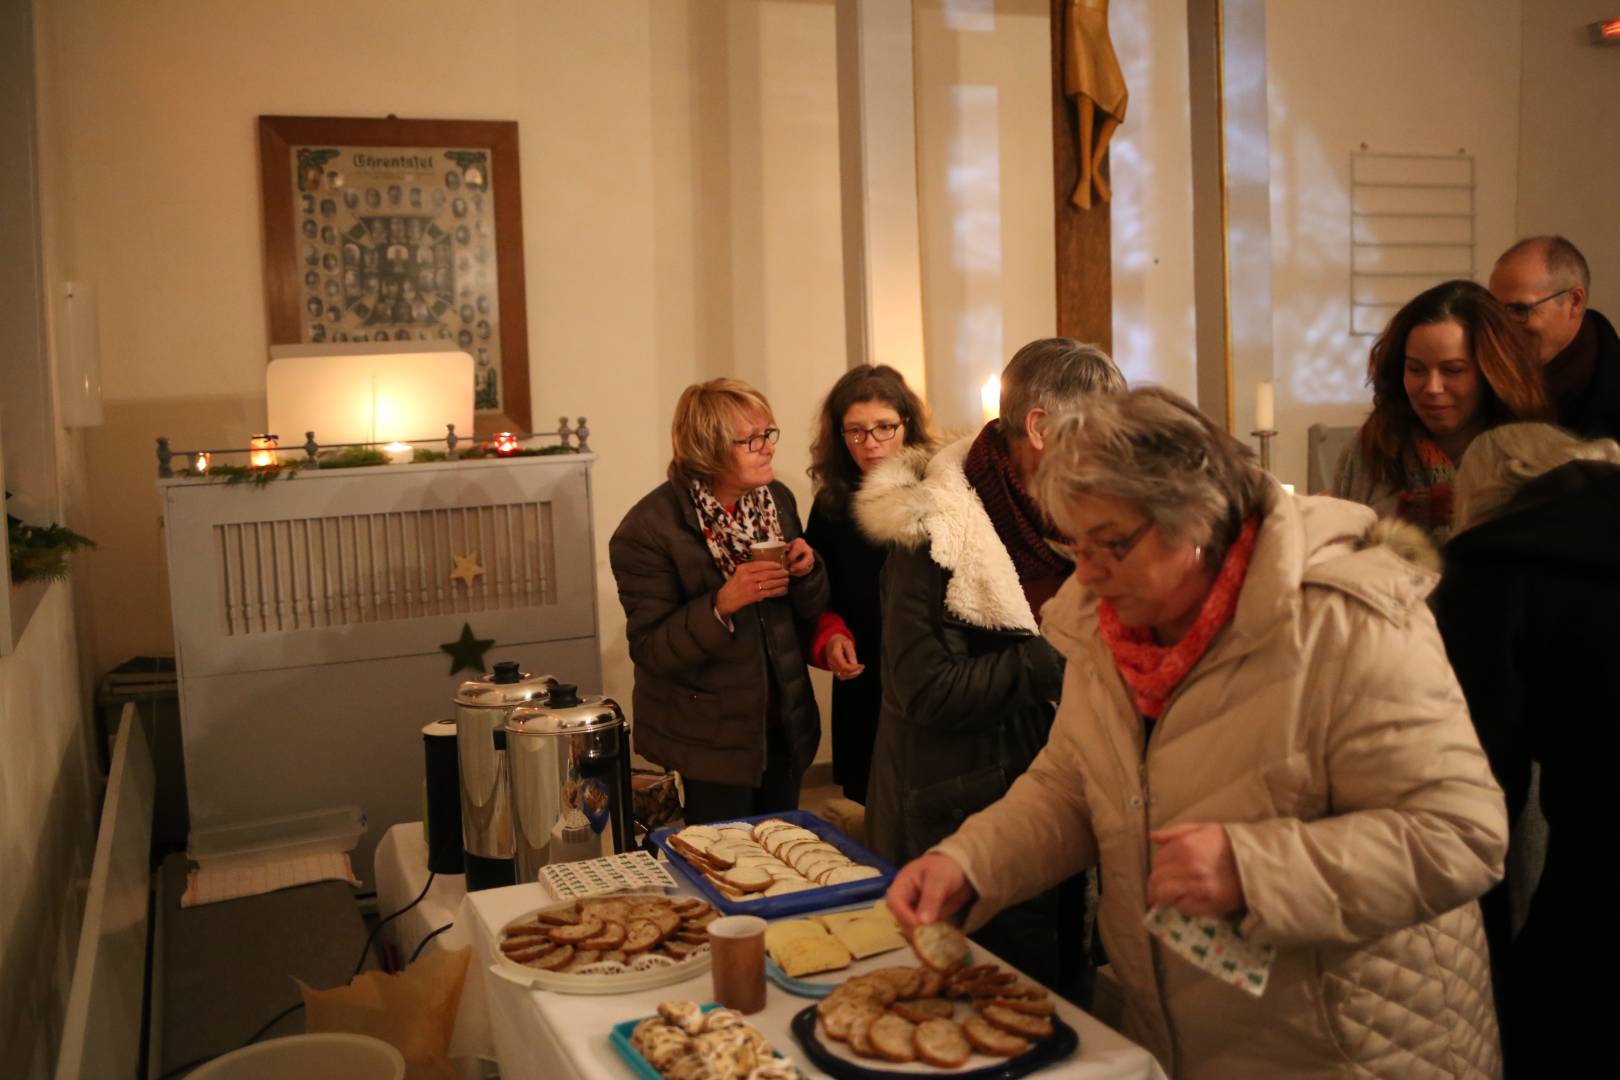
column 1213, row 945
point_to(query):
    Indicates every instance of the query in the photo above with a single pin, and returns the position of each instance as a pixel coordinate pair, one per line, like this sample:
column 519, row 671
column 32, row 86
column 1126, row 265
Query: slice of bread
column 1017, row 1023
column 941, row 1042
column 986, row 1038
column 557, row 958
column 747, row 879
column 920, row 1009
column 894, row 1038
column 939, row 945
column 587, row 927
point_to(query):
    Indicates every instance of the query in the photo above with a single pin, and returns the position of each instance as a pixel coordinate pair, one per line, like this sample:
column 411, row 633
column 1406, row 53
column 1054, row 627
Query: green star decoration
column 467, row 651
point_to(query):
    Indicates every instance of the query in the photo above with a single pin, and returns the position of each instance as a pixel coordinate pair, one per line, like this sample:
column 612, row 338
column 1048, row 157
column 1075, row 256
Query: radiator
column 309, row 612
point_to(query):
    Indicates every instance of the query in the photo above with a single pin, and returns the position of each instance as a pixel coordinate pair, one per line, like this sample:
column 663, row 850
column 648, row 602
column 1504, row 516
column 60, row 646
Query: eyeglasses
column 1117, row 549
column 756, row 443
column 1521, row 311
column 855, row 436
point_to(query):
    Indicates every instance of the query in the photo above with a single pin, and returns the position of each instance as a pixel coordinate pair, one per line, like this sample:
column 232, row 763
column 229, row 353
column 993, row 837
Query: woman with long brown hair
column 868, row 416
column 1451, row 364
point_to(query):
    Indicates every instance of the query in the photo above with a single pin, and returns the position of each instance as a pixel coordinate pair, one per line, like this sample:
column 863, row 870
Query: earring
column 1198, row 554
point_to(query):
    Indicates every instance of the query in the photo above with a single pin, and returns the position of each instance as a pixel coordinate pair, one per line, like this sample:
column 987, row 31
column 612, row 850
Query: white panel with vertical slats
column 285, row 575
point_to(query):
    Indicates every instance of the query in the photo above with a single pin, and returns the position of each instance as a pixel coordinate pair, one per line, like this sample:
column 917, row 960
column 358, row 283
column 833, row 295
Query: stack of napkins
column 1213, row 945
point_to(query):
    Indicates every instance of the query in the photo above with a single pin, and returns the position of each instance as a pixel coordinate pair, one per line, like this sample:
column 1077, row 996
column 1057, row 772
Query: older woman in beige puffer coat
column 1311, row 774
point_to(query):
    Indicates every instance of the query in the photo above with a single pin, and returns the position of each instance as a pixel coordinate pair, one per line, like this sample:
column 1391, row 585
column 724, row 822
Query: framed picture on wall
column 400, row 230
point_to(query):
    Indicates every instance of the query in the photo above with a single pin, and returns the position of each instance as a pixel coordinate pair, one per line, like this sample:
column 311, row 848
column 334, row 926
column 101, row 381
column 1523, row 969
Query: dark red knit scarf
column 1153, row 671
column 1025, row 530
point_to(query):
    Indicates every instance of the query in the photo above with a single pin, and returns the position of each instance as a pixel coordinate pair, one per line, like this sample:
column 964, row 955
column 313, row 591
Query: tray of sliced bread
column 971, row 1020
column 607, row 944
column 774, row 864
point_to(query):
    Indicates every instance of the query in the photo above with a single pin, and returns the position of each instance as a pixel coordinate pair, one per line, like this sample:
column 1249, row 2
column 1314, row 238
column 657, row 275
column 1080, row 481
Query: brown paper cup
column 770, row 551
column 737, row 962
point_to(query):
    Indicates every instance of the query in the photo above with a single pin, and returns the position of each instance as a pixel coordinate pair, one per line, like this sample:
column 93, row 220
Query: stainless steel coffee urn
column 482, row 708
column 569, row 764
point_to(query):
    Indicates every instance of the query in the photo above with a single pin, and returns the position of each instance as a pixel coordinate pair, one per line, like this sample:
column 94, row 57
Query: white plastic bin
column 308, row 1057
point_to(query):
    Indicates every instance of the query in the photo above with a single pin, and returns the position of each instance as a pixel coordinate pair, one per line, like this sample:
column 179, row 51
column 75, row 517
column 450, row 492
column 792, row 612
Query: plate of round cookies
column 607, row 944
column 943, row 1016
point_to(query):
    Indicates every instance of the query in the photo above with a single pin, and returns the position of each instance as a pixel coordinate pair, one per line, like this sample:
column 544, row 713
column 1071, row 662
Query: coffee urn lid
column 565, row 713
column 505, row 687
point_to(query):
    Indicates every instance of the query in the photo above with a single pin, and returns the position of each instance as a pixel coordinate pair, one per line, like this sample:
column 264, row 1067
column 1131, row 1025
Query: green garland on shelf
column 42, row 554
column 353, row 457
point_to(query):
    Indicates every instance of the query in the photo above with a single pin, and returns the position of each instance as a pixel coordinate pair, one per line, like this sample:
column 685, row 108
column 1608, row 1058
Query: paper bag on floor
column 414, row 1011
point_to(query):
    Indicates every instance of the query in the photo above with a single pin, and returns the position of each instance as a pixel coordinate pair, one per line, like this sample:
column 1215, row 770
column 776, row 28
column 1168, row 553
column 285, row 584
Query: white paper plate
column 614, row 983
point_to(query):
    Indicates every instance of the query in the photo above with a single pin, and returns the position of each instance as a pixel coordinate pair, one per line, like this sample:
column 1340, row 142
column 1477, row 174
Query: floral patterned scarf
column 731, row 536
column 1153, row 671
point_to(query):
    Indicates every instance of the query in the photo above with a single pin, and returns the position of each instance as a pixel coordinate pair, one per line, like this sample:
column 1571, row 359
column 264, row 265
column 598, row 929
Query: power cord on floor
column 359, row 966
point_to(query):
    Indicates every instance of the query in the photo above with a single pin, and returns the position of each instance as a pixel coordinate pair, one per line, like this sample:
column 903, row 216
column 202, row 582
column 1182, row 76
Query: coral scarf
column 1153, row 671
column 1426, row 500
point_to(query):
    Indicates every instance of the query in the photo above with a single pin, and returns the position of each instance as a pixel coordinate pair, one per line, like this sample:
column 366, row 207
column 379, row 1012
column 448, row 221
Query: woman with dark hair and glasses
column 869, row 415
column 1451, row 364
column 722, row 693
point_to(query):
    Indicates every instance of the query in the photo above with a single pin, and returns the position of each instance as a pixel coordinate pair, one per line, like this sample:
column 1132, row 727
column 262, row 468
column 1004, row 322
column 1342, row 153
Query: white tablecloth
column 546, row 1036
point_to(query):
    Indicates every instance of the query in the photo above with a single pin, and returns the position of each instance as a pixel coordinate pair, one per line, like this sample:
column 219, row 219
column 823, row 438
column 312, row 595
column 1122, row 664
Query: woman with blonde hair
column 1528, row 607
column 722, row 694
column 1451, row 364
column 868, row 416
column 1260, row 745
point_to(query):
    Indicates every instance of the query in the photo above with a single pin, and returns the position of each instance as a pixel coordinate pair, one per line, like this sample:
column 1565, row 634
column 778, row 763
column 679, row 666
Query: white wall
column 681, row 220
column 1399, row 77
column 984, row 169
column 1569, row 138
column 1150, row 163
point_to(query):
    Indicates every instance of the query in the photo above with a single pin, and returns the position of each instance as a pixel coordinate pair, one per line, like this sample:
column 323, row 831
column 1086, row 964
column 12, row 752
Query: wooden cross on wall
column 1085, row 308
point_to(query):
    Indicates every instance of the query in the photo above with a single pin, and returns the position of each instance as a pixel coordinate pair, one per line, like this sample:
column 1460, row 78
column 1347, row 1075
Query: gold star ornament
column 467, row 568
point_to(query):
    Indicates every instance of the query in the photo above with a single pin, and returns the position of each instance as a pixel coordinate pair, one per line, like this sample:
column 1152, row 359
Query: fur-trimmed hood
column 917, row 500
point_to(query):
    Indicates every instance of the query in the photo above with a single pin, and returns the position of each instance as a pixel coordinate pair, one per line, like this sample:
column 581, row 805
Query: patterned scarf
column 1153, row 671
column 1025, row 530
column 1426, row 502
column 731, row 536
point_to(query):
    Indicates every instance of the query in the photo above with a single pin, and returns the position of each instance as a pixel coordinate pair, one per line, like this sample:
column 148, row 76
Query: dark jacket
column 1596, row 413
column 1528, row 608
column 969, row 687
column 702, row 691
column 854, row 565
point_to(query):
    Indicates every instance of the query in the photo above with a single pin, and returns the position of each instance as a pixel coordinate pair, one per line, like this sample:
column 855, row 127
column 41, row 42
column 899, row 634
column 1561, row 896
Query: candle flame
column 990, row 398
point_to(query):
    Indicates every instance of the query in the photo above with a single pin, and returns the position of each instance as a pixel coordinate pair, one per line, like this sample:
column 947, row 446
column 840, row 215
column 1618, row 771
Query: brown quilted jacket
column 1324, row 728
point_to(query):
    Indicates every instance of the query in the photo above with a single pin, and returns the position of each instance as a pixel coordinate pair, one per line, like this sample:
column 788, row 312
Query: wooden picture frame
column 422, row 239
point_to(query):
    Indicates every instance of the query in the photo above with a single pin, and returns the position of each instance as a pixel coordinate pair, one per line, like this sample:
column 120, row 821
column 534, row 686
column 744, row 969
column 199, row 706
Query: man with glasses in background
column 1544, row 281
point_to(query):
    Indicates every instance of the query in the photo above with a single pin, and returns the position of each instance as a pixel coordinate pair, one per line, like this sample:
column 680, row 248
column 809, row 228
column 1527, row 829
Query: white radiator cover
column 308, row 615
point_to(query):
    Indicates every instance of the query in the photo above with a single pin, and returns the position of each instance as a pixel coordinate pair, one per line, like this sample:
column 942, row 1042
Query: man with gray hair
column 1544, row 281
column 969, row 685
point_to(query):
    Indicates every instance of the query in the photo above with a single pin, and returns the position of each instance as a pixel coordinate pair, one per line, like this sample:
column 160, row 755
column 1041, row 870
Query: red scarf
column 1023, row 527
column 1153, row 671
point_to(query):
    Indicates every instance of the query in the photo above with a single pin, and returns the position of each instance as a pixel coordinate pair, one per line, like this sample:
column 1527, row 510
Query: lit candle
column 1289, row 488
column 990, row 398
column 506, row 443
column 263, row 453
column 1265, row 410
column 399, row 453
column 201, row 461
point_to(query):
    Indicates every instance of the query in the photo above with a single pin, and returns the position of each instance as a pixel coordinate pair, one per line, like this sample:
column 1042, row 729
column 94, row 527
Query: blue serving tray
column 797, row 903
column 619, row 1037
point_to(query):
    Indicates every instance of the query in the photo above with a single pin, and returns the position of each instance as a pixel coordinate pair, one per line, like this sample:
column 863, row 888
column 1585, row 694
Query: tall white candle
column 990, row 398
column 1265, row 412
